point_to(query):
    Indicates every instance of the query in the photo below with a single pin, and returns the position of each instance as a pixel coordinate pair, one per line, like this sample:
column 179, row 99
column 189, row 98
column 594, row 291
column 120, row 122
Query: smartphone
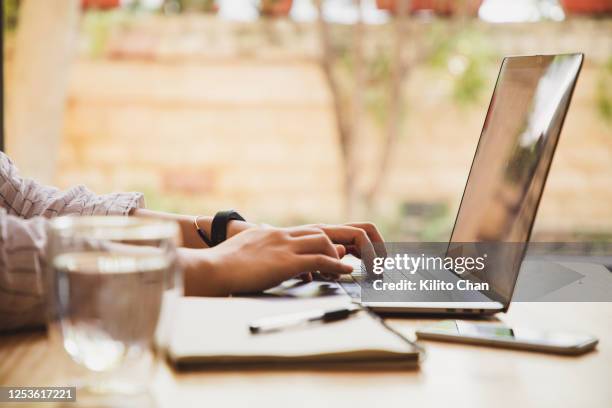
column 503, row 336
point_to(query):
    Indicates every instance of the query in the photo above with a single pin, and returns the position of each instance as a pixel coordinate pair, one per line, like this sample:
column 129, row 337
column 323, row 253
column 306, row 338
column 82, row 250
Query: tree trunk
column 36, row 96
column 343, row 120
column 357, row 102
column 399, row 70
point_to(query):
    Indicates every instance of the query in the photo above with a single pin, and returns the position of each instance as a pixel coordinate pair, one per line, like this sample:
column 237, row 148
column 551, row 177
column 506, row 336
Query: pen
column 270, row 324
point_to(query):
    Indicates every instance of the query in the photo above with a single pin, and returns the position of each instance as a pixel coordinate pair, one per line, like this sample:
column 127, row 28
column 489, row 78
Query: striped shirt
column 25, row 207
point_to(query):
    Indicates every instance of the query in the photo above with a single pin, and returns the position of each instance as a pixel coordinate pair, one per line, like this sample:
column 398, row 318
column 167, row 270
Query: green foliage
column 378, row 74
column 11, row 9
column 470, row 84
column 413, row 220
column 467, row 56
column 202, row 6
column 377, row 70
column 603, row 93
column 97, row 26
column 437, row 229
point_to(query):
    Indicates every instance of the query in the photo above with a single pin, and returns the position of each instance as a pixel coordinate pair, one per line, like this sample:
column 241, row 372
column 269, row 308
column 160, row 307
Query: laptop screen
column 513, row 157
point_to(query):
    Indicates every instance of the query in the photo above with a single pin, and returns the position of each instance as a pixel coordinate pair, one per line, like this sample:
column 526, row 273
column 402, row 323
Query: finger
column 369, row 228
column 306, row 277
column 301, row 231
column 315, row 244
column 348, row 235
column 324, row 264
column 351, row 250
column 374, row 235
column 330, row 276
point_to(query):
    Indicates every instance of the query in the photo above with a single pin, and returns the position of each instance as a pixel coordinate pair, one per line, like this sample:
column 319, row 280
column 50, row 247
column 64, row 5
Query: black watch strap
column 218, row 229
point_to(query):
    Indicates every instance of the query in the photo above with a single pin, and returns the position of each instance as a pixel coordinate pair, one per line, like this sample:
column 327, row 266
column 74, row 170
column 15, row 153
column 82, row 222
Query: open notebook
column 214, row 331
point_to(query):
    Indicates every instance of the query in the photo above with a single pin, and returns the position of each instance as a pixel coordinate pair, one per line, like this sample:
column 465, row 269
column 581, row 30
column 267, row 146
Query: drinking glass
column 113, row 284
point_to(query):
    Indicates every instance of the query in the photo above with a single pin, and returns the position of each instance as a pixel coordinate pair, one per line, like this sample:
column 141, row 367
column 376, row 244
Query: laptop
column 505, row 183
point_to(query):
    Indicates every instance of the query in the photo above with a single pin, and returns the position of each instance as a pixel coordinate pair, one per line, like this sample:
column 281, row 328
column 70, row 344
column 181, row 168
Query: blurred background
column 299, row 111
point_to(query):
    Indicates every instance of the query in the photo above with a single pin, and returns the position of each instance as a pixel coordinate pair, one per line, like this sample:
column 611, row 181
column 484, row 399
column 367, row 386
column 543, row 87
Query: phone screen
column 504, row 333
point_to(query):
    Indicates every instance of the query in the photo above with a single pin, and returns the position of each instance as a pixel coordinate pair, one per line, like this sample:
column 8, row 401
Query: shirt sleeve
column 26, row 198
column 25, row 207
column 22, row 295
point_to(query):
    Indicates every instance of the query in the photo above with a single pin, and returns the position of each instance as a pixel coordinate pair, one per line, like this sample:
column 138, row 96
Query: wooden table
column 452, row 374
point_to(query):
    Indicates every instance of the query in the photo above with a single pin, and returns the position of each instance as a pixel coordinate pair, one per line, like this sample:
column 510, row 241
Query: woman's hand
column 260, row 258
column 361, row 239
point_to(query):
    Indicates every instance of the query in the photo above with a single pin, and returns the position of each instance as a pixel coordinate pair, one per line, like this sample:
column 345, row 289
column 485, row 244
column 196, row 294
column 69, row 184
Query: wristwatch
column 218, row 228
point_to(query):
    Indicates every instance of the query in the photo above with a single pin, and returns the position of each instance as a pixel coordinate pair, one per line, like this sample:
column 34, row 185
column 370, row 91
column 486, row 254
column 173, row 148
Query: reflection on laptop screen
column 514, row 155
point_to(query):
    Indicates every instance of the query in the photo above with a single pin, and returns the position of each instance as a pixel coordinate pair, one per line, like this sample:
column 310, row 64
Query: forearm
column 189, row 234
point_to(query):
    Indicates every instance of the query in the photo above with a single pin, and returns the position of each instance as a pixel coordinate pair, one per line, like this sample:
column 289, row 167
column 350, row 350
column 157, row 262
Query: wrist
column 202, row 272
column 235, row 227
column 224, row 225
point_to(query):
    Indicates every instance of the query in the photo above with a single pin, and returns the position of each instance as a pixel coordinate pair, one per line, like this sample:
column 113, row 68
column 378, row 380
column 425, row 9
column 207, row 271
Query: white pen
column 269, row 324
